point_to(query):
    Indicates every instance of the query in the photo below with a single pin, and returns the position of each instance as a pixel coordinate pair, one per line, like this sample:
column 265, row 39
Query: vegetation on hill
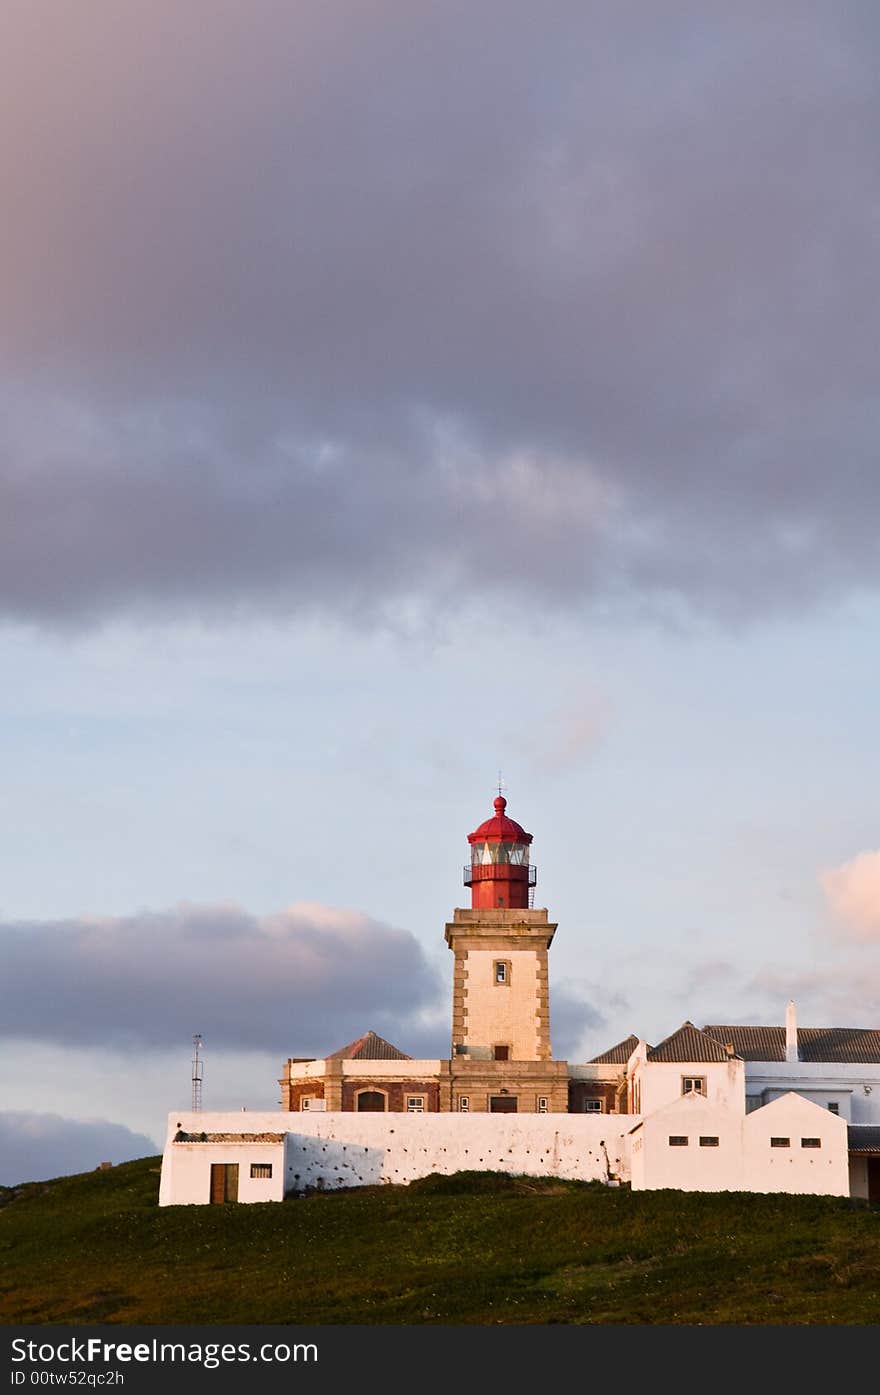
column 474, row 1248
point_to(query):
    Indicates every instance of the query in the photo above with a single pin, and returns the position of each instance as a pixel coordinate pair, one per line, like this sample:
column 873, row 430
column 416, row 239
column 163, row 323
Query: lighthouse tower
column 501, row 1054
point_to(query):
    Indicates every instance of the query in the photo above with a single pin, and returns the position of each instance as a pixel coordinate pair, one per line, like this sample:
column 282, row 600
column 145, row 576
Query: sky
column 393, row 395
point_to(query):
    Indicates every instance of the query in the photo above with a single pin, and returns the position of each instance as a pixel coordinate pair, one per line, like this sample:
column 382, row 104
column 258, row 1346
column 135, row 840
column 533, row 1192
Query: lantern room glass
column 512, row 854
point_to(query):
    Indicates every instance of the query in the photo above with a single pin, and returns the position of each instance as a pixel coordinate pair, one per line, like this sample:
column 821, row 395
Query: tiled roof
column 181, row 1137
column 616, row 1055
column 369, row 1047
column 687, row 1045
column 863, row 1138
column 830, row 1045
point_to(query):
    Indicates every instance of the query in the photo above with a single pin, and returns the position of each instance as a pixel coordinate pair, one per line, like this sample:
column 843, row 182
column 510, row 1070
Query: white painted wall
column 858, row 1176
column 856, row 1087
column 347, row 1149
column 823, row 1170
column 384, row 1070
column 661, row 1082
column 656, row 1164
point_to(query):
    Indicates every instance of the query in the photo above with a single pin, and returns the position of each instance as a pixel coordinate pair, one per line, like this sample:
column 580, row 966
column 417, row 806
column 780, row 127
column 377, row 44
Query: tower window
column 501, row 1053
column 501, row 972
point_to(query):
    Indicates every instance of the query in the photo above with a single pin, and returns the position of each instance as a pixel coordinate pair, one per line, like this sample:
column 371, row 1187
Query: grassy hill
column 476, row 1248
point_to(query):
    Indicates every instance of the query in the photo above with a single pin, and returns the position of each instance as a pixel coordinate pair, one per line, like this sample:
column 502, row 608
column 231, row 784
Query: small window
column 542, row 1104
column 261, row 1169
column 678, row 1140
column 693, row 1085
column 811, row 1143
column 502, row 1053
column 502, row 971
column 708, row 1140
column 834, row 1107
column 306, row 1102
column 464, row 1104
column 780, row 1143
column 592, row 1106
column 415, row 1104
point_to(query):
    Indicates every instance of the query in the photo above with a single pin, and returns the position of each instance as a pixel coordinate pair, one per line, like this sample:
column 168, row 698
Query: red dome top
column 501, row 829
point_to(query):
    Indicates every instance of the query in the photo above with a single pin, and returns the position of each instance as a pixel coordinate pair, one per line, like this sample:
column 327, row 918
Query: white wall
column 823, row 1170
column 858, row 1176
column 660, row 1083
column 348, row 1149
column 855, row 1087
column 692, row 1168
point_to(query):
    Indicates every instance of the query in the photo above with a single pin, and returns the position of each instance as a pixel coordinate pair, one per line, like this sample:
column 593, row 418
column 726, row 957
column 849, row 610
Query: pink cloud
column 852, row 891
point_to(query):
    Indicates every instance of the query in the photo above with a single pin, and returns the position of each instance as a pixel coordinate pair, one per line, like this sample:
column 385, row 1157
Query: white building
column 744, row 1108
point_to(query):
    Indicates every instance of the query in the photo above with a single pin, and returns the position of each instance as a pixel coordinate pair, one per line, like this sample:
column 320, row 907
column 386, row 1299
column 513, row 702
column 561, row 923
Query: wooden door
column 502, row 1104
column 224, row 1182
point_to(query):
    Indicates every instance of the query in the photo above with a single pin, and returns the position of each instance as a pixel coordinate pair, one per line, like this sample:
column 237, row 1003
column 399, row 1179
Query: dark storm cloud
column 354, row 307
column 305, row 981
column 36, row 1146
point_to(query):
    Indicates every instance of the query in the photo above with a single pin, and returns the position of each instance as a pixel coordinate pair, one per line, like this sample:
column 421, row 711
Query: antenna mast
column 197, row 1073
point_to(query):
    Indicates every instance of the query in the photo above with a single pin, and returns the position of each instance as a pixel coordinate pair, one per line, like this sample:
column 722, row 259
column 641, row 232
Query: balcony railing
column 499, row 871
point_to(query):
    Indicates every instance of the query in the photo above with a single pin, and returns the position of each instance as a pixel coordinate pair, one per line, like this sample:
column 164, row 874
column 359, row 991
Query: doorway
column 224, row 1182
column 502, row 1104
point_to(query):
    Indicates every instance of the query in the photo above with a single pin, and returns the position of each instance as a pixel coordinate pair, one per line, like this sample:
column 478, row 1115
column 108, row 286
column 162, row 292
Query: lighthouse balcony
column 499, row 871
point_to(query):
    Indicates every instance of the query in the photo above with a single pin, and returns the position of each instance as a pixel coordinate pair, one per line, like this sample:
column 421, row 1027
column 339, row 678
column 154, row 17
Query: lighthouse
column 501, row 1054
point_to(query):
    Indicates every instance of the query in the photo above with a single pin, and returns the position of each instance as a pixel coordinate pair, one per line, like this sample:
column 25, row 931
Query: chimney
column 791, row 1039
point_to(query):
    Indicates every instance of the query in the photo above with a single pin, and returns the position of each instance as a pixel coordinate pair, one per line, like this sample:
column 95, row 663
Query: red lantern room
column 498, row 873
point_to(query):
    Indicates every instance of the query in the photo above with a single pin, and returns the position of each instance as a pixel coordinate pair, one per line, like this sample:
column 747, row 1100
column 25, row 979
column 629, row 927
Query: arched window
column 371, row 1101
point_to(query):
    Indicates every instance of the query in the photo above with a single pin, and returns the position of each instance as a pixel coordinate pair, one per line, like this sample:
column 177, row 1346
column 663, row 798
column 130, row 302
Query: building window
column 834, row 1107
column 811, row 1143
column 415, row 1104
column 501, row 1053
column 464, row 1104
column 592, row 1106
column 708, row 1141
column 678, row 1140
column 693, row 1085
column 371, row 1102
column 306, row 1102
column 501, row 972
column 780, row 1143
column 261, row 1169
column 542, row 1104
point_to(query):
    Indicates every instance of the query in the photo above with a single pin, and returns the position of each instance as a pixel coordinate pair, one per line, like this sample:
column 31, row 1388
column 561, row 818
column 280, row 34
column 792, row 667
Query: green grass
column 475, row 1248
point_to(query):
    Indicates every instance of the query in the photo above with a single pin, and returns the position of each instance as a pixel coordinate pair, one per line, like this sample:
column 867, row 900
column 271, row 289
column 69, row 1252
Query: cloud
column 852, row 891
column 375, row 310
column 38, row 1146
column 573, row 1015
column 303, row 981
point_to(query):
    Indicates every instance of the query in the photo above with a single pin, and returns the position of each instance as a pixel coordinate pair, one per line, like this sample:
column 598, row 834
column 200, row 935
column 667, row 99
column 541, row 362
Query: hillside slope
column 477, row 1248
